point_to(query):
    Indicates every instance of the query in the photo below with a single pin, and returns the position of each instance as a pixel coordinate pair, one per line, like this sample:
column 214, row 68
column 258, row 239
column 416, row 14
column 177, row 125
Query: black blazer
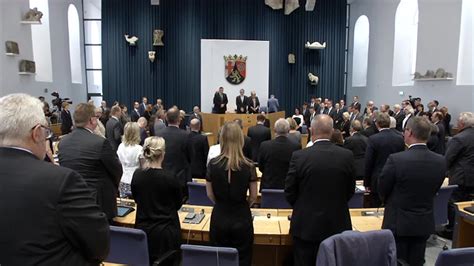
column 399, row 118
column 135, row 115
column 319, row 183
column 178, row 153
column 200, row 149
column 258, row 134
column 369, row 131
column 93, row 158
column 66, row 122
column 357, row 143
column 247, row 147
column 379, row 147
column 460, row 158
column 256, row 105
column 408, row 184
column 114, row 132
column 241, row 104
column 274, row 160
column 218, row 101
column 441, row 147
column 49, row 214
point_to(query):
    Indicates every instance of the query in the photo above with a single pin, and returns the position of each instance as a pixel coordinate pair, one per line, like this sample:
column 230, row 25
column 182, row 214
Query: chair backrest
column 440, row 204
column 194, row 255
column 128, row 246
column 274, row 198
column 198, row 195
column 357, row 200
column 359, row 248
column 456, row 257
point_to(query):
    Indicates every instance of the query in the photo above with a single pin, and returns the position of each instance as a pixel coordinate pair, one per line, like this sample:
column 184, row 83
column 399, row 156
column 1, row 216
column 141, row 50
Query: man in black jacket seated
column 92, row 157
column 319, row 183
column 49, row 214
column 200, row 149
column 274, row 156
column 408, row 184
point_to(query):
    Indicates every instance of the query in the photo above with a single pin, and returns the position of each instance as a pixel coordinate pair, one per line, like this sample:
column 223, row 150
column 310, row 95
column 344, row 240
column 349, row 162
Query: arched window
column 361, row 52
column 466, row 53
column 74, row 44
column 41, row 43
column 404, row 50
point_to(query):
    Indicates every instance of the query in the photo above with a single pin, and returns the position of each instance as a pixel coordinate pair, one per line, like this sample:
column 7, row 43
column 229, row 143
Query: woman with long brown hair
column 229, row 176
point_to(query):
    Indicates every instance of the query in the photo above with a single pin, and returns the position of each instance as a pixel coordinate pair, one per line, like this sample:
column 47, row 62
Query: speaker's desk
column 463, row 235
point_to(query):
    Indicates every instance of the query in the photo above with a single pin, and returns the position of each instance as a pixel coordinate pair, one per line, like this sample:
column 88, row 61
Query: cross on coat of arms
column 235, row 68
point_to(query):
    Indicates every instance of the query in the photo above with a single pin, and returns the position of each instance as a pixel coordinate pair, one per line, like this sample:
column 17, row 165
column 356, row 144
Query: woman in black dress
column 158, row 196
column 229, row 176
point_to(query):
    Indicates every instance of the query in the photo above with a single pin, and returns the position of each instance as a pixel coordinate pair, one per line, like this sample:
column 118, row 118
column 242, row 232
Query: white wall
column 212, row 70
column 438, row 44
column 11, row 12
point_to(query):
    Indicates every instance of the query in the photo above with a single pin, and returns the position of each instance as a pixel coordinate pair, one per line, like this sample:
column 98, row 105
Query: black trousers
column 411, row 249
column 462, row 193
column 305, row 252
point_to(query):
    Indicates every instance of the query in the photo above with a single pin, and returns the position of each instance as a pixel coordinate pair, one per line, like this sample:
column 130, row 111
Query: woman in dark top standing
column 229, row 176
column 157, row 193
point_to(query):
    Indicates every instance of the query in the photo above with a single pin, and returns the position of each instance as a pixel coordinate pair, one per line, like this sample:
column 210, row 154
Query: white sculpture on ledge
column 131, row 40
column 313, row 79
column 315, row 45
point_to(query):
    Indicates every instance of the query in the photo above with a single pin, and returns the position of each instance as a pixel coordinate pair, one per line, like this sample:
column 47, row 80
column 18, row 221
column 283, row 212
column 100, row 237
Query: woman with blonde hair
column 100, row 128
column 129, row 155
column 229, row 176
column 294, row 135
column 157, row 193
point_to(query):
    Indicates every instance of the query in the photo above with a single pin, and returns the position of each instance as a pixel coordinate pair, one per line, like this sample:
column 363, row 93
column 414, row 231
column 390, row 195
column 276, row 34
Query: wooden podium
column 212, row 122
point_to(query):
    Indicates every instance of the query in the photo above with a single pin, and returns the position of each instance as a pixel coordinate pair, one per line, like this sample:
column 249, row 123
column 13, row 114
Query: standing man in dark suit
column 408, row 184
column 355, row 103
column 66, row 119
column 319, row 183
column 399, row 116
column 258, row 134
column 135, row 112
column 330, row 110
column 379, row 147
column 94, row 160
column 273, row 104
column 142, row 107
column 113, row 128
column 178, row 151
column 357, row 143
column 49, row 214
column 274, row 156
column 437, row 119
column 220, row 102
column 200, row 149
column 241, row 102
column 460, row 162
column 196, row 114
column 306, row 114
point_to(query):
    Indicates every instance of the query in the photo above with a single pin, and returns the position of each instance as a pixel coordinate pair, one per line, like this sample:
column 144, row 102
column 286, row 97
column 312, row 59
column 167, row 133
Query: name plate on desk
column 372, row 213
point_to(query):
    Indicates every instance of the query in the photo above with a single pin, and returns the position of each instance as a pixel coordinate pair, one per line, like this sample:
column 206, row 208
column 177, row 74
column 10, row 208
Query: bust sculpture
column 157, row 35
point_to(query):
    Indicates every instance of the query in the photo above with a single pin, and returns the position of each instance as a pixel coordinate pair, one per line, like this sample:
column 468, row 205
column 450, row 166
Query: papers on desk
column 359, row 188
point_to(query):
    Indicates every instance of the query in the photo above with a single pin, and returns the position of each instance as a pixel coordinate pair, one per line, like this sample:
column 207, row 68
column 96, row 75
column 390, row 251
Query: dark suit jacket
column 356, row 105
column 274, row 160
column 460, row 158
column 357, row 143
column 399, row 118
column 306, row 116
column 441, row 147
column 141, row 109
column 251, row 104
column 247, row 147
column 135, row 115
column 218, row 101
column 379, row 147
column 240, row 104
column 369, row 131
column 178, row 153
column 66, row 122
column 200, row 149
column 114, row 132
column 408, row 184
column 258, row 134
column 49, row 214
column 194, row 115
column 93, row 158
column 319, row 183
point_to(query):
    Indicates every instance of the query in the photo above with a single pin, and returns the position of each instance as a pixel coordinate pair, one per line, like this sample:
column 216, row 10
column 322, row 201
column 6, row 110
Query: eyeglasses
column 49, row 133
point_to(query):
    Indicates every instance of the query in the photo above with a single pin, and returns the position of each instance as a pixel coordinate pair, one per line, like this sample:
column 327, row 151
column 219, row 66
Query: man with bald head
column 199, row 148
column 319, row 183
column 274, row 156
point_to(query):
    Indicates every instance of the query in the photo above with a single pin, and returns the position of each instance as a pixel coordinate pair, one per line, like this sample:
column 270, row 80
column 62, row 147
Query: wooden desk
column 463, row 235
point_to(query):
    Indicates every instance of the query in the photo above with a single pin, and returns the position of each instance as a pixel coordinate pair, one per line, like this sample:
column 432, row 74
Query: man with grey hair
column 200, row 149
column 94, row 160
column 460, row 160
column 68, row 226
column 399, row 115
column 319, row 183
column 379, row 147
column 273, row 104
column 274, row 156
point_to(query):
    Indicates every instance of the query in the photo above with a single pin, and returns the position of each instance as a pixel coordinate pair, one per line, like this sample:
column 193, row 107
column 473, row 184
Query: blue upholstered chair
column 274, row 199
column 440, row 206
column 128, row 246
column 456, row 257
column 194, row 255
column 198, row 195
